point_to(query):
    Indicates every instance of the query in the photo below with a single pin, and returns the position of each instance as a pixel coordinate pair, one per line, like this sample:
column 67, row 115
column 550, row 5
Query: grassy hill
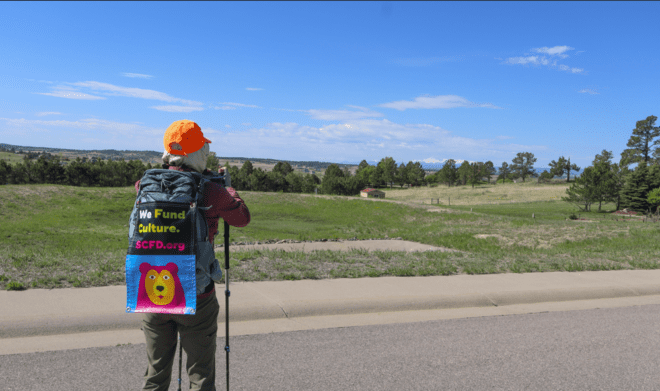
column 61, row 236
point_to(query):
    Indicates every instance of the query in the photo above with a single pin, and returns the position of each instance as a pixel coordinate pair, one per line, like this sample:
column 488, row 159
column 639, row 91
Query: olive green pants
column 198, row 336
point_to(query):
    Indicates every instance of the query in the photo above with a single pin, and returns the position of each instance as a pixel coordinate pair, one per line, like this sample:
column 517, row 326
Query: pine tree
column 489, row 170
column 641, row 141
column 654, row 199
column 388, row 167
column 476, row 173
column 247, row 168
column 284, row 168
column 503, row 172
column 581, row 192
column 523, row 165
column 415, row 173
column 634, row 193
column 545, row 177
column 449, row 173
column 212, row 162
column 333, row 171
column 557, row 168
column 561, row 166
column 603, row 183
column 570, row 167
column 464, row 172
column 605, row 156
column 402, row 175
column 5, row 171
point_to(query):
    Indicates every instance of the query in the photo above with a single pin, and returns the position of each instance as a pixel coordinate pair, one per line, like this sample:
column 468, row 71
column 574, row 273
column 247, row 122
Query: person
column 186, row 149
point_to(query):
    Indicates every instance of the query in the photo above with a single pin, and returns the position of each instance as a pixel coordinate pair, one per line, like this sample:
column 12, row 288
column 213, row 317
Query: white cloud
column 569, row 69
column 210, row 132
column 72, row 91
column 435, row 102
column 588, row 91
column 88, row 123
column 126, row 74
column 536, row 60
column 356, row 140
column 224, row 107
column 88, row 133
column 43, row 113
column 554, row 51
column 253, row 89
column 69, row 93
column 343, row 115
column 240, row 105
column 178, row 109
column 522, row 60
column 368, row 139
column 132, row 92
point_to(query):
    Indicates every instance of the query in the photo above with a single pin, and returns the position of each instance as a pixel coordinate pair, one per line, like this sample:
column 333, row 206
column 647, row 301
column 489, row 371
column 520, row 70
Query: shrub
column 15, row 286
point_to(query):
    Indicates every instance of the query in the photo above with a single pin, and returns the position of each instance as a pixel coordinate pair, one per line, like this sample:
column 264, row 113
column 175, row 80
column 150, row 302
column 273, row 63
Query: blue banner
column 161, row 284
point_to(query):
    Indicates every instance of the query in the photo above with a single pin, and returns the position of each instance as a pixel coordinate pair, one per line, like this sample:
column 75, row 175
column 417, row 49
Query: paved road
column 596, row 349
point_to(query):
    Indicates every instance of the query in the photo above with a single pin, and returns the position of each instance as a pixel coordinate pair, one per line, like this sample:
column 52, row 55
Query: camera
column 223, row 180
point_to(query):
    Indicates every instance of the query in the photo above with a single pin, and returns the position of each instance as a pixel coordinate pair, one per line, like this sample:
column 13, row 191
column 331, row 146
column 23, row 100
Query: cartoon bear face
column 160, row 285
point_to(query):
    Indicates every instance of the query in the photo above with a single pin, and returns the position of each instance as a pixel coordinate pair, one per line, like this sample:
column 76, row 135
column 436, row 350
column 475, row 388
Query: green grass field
column 62, row 236
column 11, row 158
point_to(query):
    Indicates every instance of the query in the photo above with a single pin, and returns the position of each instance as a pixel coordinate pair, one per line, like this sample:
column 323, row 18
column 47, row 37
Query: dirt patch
column 339, row 245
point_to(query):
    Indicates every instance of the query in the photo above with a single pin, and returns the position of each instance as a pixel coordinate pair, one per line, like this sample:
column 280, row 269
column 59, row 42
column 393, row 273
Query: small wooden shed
column 373, row 193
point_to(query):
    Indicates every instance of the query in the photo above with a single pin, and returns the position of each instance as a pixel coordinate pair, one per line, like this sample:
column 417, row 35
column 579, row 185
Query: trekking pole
column 180, row 350
column 227, row 293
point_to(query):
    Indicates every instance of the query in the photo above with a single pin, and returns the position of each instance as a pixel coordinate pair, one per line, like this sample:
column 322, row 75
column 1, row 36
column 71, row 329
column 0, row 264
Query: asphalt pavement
column 608, row 345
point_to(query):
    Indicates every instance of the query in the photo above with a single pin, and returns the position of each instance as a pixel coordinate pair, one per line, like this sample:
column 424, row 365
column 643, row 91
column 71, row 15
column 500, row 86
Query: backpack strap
column 201, row 182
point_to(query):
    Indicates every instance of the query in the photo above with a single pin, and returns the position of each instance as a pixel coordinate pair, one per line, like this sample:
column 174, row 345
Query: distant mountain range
column 539, row 170
column 438, row 166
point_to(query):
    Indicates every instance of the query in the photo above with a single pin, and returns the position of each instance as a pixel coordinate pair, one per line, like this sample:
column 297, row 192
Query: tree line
column 605, row 181
column 78, row 172
column 602, row 182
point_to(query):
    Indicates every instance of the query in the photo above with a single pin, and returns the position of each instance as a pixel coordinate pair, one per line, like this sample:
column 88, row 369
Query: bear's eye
column 166, row 278
column 152, row 277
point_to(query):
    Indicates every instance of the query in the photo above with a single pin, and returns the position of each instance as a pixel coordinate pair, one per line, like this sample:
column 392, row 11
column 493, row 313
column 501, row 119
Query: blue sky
column 333, row 81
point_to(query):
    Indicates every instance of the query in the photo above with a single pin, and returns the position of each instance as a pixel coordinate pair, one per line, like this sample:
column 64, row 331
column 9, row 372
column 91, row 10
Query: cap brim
column 177, row 152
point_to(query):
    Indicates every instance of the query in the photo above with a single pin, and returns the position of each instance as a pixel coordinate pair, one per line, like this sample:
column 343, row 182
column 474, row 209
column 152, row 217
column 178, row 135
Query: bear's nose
column 160, row 288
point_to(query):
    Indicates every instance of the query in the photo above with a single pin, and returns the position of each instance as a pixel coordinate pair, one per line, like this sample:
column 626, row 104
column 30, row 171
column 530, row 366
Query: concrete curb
column 42, row 312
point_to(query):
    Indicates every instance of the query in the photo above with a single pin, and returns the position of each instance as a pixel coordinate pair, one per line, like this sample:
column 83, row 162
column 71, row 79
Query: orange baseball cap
column 185, row 133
